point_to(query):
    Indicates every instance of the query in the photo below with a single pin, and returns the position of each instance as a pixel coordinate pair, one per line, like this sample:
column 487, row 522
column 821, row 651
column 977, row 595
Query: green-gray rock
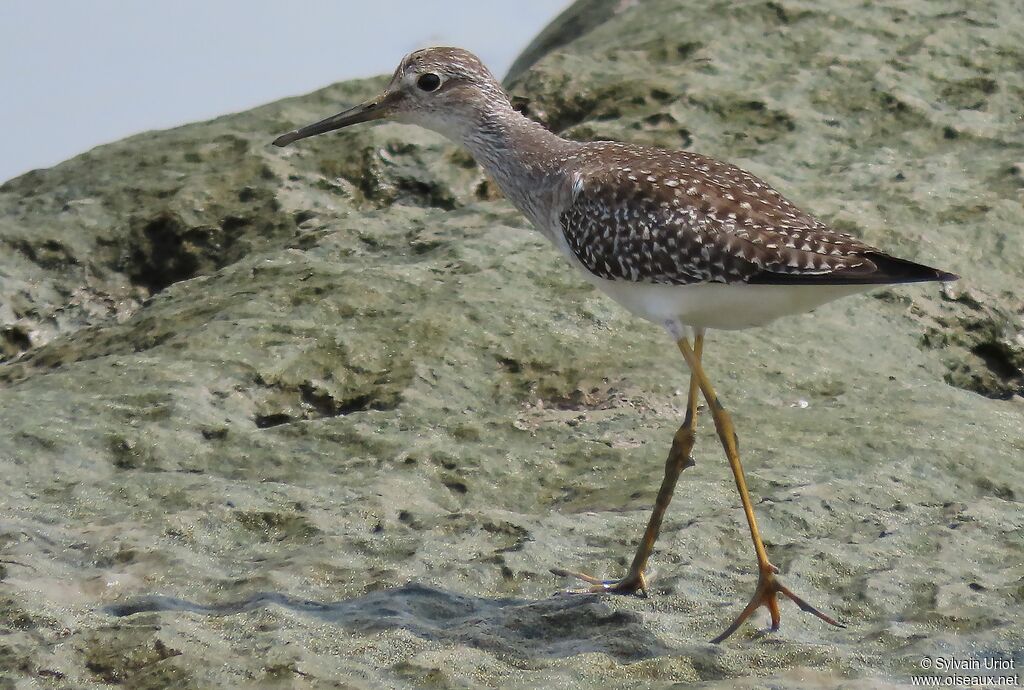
column 326, row 416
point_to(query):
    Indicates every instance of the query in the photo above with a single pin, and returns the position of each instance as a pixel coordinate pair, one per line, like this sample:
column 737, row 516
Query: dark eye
column 428, row 82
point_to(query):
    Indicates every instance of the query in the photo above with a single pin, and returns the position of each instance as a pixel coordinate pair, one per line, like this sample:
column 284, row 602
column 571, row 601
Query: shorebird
column 677, row 238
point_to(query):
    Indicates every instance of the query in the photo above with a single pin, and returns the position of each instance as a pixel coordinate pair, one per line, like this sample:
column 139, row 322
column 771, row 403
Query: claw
column 631, row 584
column 765, row 595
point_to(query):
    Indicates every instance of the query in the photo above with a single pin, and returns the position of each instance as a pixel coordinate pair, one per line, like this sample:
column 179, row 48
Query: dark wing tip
column 888, row 270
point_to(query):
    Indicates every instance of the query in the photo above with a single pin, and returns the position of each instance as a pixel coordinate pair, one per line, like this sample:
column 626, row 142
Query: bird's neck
column 523, row 158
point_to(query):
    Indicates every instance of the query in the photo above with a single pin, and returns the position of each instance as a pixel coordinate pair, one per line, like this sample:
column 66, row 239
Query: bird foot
column 633, row 583
column 768, row 587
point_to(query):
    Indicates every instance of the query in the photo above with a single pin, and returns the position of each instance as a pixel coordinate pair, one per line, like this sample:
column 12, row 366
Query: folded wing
column 697, row 220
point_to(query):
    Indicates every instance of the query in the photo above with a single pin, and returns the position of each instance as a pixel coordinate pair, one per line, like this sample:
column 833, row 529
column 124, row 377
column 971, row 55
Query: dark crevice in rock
column 49, row 254
column 308, row 401
column 511, row 365
column 265, row 421
column 327, row 406
column 418, row 192
column 455, row 486
column 13, row 341
column 984, row 340
column 361, row 403
column 163, row 250
column 301, row 217
column 999, row 359
column 319, row 400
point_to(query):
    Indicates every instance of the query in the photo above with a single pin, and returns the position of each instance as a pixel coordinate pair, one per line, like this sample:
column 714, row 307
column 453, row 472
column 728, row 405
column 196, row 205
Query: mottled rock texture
column 325, row 416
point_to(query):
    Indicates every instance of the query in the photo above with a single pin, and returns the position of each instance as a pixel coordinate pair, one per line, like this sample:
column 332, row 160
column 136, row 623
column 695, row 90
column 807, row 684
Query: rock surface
column 326, row 415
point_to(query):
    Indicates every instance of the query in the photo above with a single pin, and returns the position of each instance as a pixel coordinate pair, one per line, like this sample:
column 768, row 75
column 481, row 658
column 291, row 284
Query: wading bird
column 675, row 237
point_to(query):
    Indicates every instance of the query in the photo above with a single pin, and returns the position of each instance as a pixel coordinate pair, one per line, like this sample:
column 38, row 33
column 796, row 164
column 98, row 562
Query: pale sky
column 75, row 74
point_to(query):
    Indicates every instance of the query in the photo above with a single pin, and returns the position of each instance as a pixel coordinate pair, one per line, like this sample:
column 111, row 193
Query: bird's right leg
column 768, row 586
column 679, row 458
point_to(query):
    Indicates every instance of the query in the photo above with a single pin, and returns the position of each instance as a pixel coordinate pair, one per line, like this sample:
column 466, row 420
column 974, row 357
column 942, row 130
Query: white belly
column 709, row 305
column 717, row 305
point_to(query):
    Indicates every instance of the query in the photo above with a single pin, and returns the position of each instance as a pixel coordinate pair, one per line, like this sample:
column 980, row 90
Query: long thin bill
column 363, row 112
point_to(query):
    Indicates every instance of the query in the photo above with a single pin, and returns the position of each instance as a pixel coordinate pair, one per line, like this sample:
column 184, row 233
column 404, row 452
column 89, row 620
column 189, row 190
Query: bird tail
column 889, row 269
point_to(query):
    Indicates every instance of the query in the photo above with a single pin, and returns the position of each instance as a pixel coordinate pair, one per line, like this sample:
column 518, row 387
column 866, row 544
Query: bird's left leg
column 635, row 581
column 768, row 586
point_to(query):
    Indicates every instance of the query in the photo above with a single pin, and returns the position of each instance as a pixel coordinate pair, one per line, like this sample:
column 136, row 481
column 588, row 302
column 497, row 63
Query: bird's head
column 447, row 90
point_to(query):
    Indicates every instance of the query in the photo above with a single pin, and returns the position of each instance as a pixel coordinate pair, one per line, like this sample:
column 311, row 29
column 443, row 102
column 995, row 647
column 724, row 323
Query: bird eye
column 428, row 82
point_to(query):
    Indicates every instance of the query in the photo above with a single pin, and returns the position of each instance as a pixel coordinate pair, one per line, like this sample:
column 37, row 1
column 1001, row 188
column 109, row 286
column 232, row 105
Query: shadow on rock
column 557, row 627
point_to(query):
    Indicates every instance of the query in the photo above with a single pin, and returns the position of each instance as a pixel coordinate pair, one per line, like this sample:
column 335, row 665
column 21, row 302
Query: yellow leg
column 767, row 585
column 678, row 460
